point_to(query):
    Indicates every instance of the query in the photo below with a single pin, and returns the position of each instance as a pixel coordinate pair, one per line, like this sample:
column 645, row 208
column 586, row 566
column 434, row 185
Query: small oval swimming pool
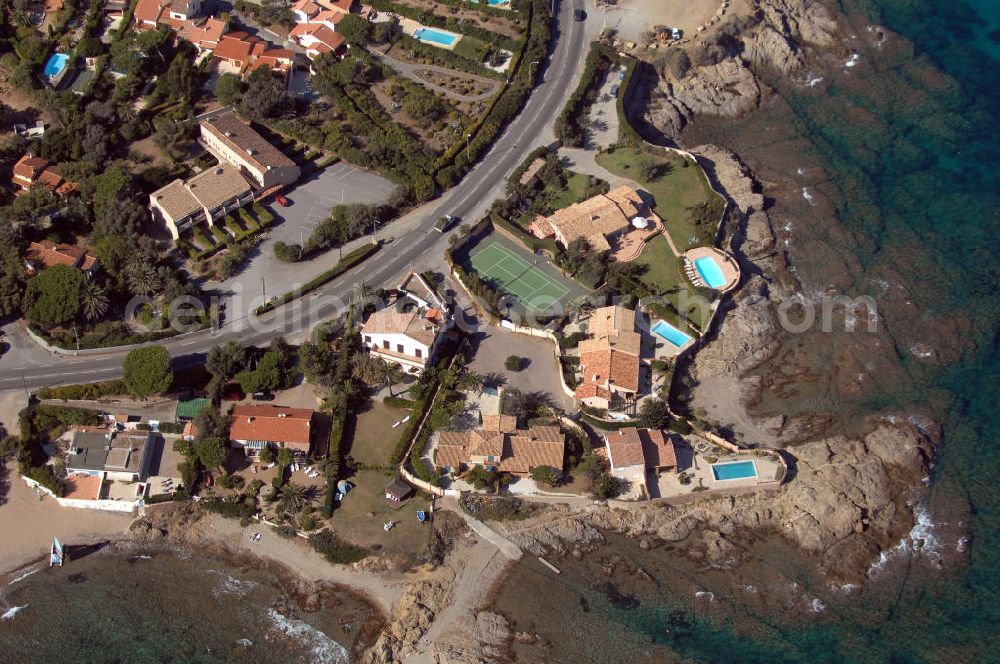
column 55, row 64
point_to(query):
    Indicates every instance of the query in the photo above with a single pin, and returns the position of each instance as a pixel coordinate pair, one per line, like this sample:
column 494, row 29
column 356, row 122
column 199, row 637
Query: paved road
column 414, row 241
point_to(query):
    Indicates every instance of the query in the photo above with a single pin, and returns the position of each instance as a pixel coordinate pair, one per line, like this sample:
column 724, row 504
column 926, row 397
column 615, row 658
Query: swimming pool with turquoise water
column 435, row 36
column 55, row 64
column 710, row 272
column 734, row 470
column 671, row 334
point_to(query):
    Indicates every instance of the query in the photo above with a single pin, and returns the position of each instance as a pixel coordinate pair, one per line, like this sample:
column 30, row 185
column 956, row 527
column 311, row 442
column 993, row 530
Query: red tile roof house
column 633, row 452
column 255, row 426
column 181, row 16
column 317, row 39
column 610, row 360
column 45, row 254
column 499, row 445
column 246, row 53
column 29, row 171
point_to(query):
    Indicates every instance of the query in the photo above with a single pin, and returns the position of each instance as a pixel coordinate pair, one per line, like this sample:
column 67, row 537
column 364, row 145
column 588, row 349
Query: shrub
column 545, row 474
column 335, row 550
column 232, row 507
column 171, row 427
column 84, row 391
column 287, row 253
column 398, row 402
column 512, row 363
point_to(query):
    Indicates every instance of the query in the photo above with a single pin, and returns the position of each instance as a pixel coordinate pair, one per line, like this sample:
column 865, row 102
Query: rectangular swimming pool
column 734, row 470
column 665, row 330
column 435, row 36
column 710, row 272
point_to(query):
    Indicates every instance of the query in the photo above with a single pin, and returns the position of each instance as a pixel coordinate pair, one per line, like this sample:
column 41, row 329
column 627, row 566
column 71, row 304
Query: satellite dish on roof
column 640, row 222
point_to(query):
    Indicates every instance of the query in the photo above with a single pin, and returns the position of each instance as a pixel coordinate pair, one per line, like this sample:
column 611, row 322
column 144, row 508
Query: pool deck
column 730, row 270
column 695, row 459
column 410, row 27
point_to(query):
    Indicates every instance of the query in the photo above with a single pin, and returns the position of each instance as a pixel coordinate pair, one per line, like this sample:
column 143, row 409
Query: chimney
column 249, row 419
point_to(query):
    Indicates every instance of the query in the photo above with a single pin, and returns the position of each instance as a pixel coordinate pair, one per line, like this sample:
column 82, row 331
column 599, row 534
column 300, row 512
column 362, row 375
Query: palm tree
column 294, row 497
column 390, row 372
column 471, row 381
column 94, row 300
column 363, row 293
column 142, row 277
column 365, row 368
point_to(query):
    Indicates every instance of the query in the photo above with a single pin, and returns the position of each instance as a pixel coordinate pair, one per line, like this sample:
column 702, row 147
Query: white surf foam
column 324, row 650
column 11, row 612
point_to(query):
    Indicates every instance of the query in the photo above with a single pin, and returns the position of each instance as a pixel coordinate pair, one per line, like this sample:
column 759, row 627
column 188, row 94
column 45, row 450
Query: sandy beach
column 29, row 524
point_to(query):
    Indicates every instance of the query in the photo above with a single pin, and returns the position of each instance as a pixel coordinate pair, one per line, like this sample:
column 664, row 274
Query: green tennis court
column 515, row 275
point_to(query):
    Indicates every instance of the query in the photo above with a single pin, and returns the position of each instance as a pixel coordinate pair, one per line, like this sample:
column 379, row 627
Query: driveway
column 310, row 203
column 540, row 369
column 409, row 70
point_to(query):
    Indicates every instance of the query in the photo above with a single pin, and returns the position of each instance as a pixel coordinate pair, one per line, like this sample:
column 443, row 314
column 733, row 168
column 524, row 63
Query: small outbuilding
column 398, row 491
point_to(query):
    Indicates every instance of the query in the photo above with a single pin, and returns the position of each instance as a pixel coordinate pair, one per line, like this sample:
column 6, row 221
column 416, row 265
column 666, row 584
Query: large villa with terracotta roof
column 618, row 221
column 500, row 445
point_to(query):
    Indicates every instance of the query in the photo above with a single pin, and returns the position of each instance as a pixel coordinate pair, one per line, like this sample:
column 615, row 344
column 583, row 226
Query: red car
column 281, row 200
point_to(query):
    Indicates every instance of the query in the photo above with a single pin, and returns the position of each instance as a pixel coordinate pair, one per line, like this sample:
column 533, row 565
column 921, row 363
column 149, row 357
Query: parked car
column 282, row 201
column 262, row 396
column 676, row 33
column 614, row 90
column 580, row 15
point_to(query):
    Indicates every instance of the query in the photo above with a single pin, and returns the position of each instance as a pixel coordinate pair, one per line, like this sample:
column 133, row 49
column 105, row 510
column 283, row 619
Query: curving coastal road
column 31, row 368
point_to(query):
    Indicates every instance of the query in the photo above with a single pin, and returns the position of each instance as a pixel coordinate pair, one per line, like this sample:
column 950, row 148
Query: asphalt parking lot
column 310, row 202
column 312, row 199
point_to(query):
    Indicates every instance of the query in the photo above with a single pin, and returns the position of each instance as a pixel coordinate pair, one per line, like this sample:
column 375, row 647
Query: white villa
column 408, row 333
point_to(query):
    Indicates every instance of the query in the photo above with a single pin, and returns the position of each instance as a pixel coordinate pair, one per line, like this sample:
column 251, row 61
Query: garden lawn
column 351, row 520
column 663, row 273
column 576, row 188
column 674, row 192
column 374, row 437
column 471, row 49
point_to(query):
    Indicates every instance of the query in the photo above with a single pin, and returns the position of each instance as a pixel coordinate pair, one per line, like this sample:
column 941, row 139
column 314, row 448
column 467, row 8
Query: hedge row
column 626, row 132
column 85, row 391
column 398, row 402
column 349, row 261
column 569, row 126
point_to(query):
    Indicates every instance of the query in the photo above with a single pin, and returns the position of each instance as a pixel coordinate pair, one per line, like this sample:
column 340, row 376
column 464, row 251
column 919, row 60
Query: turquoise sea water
column 886, row 182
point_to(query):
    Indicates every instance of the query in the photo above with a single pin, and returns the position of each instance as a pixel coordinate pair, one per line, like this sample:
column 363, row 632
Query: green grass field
column 374, row 437
column 677, row 190
column 471, row 48
column 535, row 289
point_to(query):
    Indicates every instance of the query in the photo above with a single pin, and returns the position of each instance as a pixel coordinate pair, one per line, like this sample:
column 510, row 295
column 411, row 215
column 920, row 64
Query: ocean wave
column 12, row 611
column 24, row 575
column 921, row 540
column 230, row 585
column 323, row 649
